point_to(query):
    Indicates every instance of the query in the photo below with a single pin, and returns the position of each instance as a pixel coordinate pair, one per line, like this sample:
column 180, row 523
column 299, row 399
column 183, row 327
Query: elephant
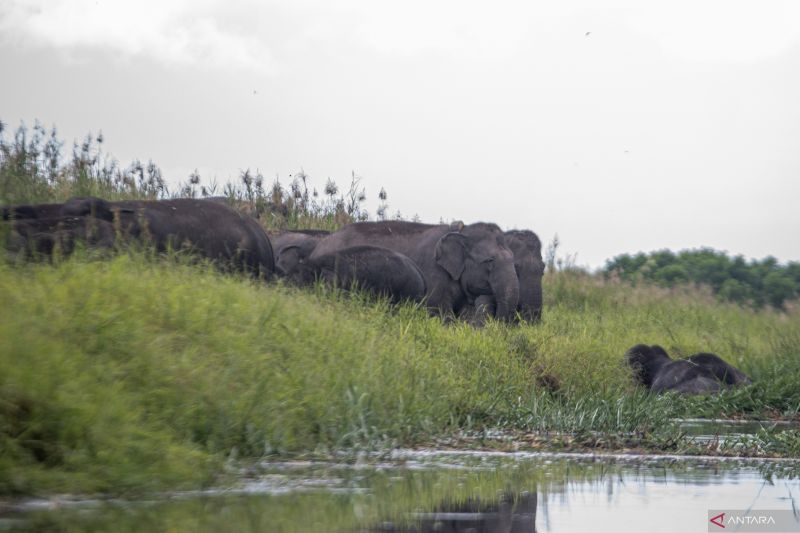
column 210, row 229
column 459, row 262
column 292, row 251
column 378, row 270
column 703, row 373
column 527, row 250
column 31, row 212
column 44, row 237
column 528, row 264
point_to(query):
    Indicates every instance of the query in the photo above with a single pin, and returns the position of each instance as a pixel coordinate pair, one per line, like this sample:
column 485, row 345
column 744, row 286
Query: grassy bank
column 132, row 375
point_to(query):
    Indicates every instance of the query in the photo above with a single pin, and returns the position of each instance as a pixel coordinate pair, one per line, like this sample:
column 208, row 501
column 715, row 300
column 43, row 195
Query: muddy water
column 447, row 491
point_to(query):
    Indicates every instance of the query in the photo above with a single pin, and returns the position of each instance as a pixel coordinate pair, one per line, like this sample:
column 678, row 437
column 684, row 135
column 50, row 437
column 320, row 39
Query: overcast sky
column 621, row 128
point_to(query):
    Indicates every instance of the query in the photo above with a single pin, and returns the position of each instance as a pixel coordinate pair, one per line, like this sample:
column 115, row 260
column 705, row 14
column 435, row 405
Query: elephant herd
column 470, row 271
column 457, row 270
column 214, row 230
column 466, row 271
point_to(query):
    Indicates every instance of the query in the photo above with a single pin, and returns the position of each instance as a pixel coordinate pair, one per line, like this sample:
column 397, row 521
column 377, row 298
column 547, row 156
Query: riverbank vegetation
column 137, row 373
column 33, row 169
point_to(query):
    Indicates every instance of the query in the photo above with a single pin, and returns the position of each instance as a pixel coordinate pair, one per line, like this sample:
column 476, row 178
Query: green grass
column 130, row 375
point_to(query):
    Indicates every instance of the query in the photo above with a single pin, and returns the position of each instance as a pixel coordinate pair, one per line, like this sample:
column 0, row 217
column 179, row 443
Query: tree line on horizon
column 754, row 282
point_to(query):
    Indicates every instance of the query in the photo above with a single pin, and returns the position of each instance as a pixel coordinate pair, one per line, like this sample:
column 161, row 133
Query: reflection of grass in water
column 134, row 375
column 394, row 494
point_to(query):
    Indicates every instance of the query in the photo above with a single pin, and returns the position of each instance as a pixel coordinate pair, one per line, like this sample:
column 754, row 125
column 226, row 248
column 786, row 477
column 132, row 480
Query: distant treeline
column 754, row 282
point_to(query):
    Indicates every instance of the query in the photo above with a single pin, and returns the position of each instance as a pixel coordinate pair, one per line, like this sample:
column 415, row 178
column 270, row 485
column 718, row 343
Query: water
column 448, row 491
column 707, row 431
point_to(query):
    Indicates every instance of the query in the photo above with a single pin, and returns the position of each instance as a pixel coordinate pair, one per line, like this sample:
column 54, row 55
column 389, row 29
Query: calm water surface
column 448, row 492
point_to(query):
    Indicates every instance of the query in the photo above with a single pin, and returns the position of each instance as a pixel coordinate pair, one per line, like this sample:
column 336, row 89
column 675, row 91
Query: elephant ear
column 291, row 252
column 289, row 248
column 451, row 253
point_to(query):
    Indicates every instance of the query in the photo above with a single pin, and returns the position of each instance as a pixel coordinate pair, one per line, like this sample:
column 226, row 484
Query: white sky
column 670, row 125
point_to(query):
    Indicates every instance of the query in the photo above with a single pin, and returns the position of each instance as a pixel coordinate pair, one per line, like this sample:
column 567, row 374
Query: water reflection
column 510, row 513
column 417, row 491
column 709, row 431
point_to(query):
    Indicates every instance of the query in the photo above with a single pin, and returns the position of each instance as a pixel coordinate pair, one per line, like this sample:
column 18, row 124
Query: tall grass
column 133, row 374
column 33, row 169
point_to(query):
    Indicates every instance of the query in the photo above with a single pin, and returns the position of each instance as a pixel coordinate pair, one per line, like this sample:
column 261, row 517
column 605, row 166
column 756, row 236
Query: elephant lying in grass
column 702, row 373
column 209, row 229
column 378, row 270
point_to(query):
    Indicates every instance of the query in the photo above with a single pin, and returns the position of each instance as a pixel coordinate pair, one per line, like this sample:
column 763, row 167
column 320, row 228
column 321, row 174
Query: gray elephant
column 378, row 270
column 209, row 229
column 372, row 268
column 528, row 264
column 703, row 373
column 44, row 237
column 527, row 250
column 459, row 263
column 31, row 212
column 292, row 252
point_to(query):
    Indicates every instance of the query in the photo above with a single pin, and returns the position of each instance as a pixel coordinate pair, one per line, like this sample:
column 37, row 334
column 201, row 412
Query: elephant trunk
column 505, row 287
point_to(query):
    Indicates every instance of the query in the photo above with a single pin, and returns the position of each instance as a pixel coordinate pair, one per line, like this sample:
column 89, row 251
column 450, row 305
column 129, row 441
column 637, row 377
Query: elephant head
column 293, row 264
column 527, row 250
column 479, row 259
column 647, row 362
column 292, row 252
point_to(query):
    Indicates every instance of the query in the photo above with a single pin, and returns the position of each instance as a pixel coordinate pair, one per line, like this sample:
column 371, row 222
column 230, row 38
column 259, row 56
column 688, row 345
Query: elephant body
column 375, row 269
column 528, row 263
column 724, row 372
column 372, row 268
column 459, row 263
column 209, row 229
column 702, row 373
column 32, row 212
column 43, row 237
